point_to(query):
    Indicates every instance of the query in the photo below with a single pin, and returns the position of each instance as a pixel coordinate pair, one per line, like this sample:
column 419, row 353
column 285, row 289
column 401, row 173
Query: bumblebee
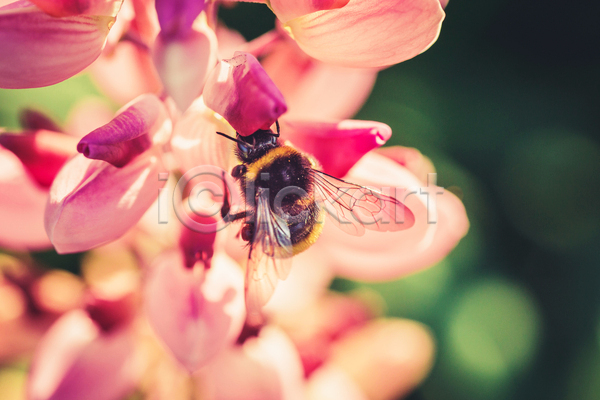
column 286, row 199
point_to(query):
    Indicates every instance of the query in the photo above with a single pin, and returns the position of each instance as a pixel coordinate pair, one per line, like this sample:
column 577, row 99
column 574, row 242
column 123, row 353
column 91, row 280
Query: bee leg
column 238, row 171
column 248, row 232
column 233, row 217
column 226, row 210
column 277, row 125
column 226, row 207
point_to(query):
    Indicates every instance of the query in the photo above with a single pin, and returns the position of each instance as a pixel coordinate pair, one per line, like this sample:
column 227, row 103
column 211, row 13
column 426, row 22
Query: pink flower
column 43, row 46
column 193, row 280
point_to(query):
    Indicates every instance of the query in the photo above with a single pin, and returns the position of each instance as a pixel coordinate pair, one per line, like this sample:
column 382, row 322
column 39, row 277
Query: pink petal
column 411, row 159
column 183, row 63
column 241, row 91
column 195, row 141
column 287, row 10
column 331, row 382
column 87, row 115
column 67, row 8
column 274, row 349
column 316, row 328
column 233, row 375
column 93, row 203
column 39, row 50
column 229, row 40
column 22, row 204
column 387, row 358
column 365, row 34
column 129, row 134
column 266, row 367
column 75, row 360
column 145, row 23
column 42, row 153
column 308, row 281
column 389, row 255
column 177, row 16
column 196, row 315
column 316, row 90
column 126, row 73
column 336, row 145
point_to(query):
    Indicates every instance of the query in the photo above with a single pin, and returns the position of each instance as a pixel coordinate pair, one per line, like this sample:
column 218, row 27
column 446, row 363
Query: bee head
column 256, row 145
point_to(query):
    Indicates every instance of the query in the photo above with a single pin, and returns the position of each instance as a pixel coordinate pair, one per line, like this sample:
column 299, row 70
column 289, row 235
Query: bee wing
column 355, row 208
column 270, row 257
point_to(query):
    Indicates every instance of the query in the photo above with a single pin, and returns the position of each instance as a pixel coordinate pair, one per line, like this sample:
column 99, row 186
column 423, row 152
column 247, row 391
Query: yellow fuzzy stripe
column 312, row 236
column 268, row 159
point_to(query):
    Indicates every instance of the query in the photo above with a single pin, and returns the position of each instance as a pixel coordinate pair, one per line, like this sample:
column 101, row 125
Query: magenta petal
column 22, row 204
column 241, row 91
column 195, row 312
column 287, row 10
column 127, row 135
column 111, row 312
column 42, row 153
column 63, row 8
column 67, row 8
column 92, row 203
column 39, row 50
column 336, row 145
column 183, row 63
column 74, row 361
column 177, row 16
column 198, row 246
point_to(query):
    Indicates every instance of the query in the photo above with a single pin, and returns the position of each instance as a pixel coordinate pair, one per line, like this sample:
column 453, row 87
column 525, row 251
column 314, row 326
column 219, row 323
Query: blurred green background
column 506, row 105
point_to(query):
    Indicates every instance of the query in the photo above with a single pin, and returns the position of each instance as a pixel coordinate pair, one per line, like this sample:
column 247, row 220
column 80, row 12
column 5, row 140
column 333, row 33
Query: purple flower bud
column 241, row 91
column 177, row 16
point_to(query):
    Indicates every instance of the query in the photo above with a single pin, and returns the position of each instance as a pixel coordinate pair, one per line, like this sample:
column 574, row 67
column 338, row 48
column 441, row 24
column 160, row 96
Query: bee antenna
column 230, row 138
column 277, row 125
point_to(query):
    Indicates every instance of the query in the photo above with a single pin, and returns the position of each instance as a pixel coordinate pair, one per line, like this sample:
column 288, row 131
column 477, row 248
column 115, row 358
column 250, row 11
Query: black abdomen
column 288, row 179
